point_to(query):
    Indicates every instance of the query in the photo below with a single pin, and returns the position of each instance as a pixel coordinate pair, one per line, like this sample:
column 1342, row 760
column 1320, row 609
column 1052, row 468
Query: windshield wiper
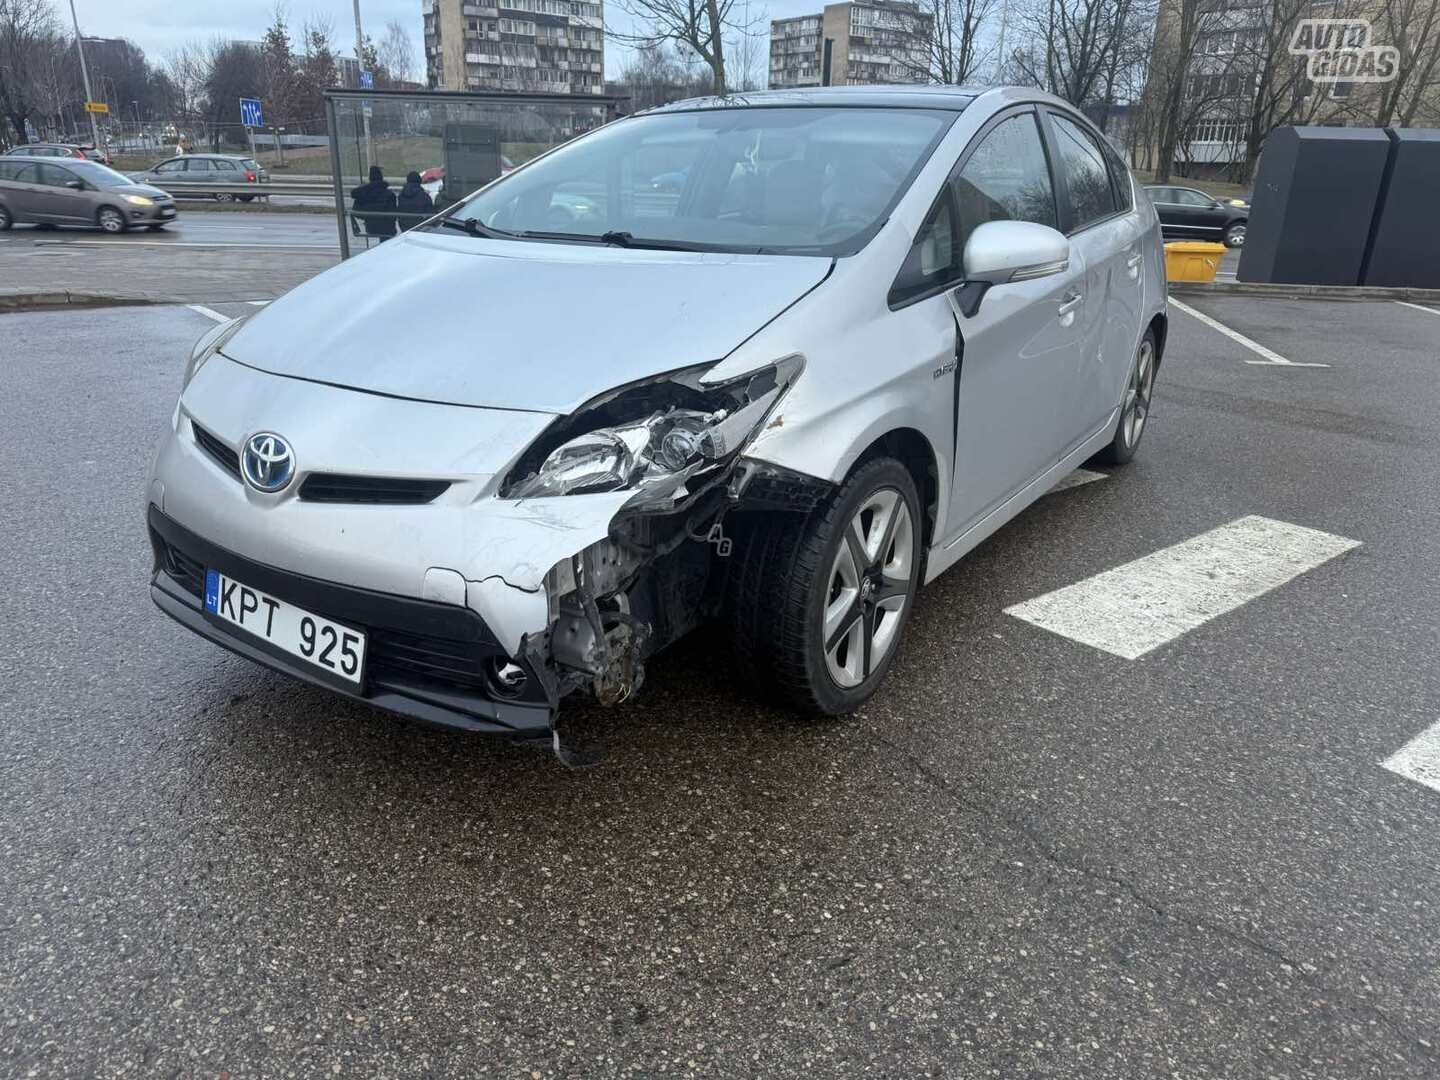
column 471, row 227
column 615, row 238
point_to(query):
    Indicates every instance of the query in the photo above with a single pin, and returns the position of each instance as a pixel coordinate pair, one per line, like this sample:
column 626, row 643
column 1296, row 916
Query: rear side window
column 223, row 166
column 8, row 169
column 1091, row 195
column 253, row 166
column 1006, row 178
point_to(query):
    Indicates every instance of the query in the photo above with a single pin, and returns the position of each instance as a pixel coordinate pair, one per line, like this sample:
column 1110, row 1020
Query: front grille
column 185, row 570
column 226, row 457
column 395, row 657
column 408, row 658
column 337, row 488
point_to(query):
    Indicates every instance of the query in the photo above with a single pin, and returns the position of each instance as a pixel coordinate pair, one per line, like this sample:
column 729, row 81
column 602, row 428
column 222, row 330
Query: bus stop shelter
column 457, row 141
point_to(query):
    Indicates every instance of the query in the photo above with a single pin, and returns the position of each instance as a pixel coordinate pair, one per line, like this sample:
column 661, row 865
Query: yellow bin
column 1192, row 261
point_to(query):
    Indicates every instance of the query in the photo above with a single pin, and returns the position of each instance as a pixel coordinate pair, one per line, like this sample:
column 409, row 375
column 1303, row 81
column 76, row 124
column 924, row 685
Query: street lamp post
column 84, row 76
column 360, row 68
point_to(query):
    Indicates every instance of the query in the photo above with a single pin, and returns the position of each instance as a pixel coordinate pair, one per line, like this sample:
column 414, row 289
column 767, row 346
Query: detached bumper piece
column 432, row 662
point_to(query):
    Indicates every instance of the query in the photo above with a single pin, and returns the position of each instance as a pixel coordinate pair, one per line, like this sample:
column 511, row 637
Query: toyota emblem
column 267, row 463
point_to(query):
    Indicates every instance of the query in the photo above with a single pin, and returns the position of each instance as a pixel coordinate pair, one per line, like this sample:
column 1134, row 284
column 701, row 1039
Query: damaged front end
column 621, row 504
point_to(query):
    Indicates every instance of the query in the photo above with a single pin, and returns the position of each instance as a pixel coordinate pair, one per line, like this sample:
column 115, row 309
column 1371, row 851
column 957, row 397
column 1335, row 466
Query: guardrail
column 272, row 188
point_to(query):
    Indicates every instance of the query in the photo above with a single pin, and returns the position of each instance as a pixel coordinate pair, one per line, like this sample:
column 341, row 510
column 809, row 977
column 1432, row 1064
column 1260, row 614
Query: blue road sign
column 251, row 114
column 367, row 80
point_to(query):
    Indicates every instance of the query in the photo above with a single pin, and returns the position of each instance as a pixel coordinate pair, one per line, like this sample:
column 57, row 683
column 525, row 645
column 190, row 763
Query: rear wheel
column 224, row 196
column 110, row 219
column 1135, row 406
column 819, row 603
column 1235, row 235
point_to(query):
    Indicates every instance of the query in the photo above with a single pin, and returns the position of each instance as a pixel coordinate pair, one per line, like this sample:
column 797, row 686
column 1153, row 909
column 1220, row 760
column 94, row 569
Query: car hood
column 148, row 190
column 514, row 324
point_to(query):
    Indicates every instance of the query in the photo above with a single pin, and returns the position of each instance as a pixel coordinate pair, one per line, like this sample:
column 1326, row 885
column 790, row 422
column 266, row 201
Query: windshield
column 100, row 175
column 783, row 180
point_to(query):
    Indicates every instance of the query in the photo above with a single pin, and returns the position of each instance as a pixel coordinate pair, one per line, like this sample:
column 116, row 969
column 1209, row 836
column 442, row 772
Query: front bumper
column 428, row 661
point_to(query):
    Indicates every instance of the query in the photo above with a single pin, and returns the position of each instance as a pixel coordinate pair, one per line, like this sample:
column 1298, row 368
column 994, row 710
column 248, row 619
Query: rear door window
column 55, row 175
column 1090, row 193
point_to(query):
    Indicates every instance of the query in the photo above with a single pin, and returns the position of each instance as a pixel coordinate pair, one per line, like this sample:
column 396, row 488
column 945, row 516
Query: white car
column 513, row 453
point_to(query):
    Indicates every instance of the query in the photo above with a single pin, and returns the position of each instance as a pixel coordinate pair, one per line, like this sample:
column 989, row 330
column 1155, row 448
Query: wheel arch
column 1160, row 327
column 913, row 450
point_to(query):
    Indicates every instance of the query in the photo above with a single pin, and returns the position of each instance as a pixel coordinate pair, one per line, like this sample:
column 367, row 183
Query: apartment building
column 525, row 46
column 870, row 42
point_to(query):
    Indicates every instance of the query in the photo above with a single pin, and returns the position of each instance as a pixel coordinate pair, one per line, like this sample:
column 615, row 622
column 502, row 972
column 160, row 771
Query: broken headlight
column 653, row 437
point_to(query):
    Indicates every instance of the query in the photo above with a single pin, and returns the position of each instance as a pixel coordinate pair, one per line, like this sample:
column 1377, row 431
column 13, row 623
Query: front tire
column 820, row 602
column 1134, row 406
column 1235, row 235
column 224, row 196
column 111, row 220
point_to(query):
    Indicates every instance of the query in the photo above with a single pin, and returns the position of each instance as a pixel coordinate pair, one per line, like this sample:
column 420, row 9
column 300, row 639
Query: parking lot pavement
column 1028, row 856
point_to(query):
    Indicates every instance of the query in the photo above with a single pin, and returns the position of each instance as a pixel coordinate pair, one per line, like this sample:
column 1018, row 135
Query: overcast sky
column 160, row 25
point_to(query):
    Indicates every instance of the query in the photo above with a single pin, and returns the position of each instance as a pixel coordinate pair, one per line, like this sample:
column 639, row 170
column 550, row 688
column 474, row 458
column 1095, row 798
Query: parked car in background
column 1190, row 214
column 486, row 465
column 48, row 150
column 194, row 170
column 72, row 191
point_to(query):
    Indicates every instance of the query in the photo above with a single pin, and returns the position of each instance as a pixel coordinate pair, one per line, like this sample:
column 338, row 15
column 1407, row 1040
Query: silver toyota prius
column 776, row 360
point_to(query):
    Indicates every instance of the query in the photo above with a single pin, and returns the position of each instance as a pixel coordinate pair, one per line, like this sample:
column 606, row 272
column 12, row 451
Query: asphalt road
column 239, row 228
column 1026, row 858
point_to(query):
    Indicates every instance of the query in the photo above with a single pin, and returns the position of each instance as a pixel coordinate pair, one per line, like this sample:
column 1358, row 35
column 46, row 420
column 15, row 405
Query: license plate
column 167, row 211
column 335, row 649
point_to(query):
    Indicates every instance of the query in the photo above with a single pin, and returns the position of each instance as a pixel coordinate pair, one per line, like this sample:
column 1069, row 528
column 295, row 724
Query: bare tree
column 700, row 26
column 27, row 29
column 188, row 69
column 1413, row 27
column 1073, row 47
column 396, row 52
column 951, row 44
column 655, row 75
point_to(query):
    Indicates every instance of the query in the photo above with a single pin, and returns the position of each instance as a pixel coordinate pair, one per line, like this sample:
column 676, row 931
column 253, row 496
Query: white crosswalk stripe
column 1419, row 759
column 1135, row 608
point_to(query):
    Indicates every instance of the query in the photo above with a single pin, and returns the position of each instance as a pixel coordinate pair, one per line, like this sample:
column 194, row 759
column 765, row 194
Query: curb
column 1304, row 292
column 58, row 298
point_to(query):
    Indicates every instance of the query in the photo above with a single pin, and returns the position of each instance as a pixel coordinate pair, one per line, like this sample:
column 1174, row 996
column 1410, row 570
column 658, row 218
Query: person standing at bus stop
column 374, row 204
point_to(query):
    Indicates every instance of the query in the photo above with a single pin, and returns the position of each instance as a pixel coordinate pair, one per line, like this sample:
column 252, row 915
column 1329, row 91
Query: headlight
column 208, row 345
column 139, row 200
column 654, row 437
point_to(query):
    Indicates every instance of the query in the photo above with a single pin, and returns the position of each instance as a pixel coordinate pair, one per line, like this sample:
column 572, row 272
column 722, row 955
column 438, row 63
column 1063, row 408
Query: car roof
column 904, row 96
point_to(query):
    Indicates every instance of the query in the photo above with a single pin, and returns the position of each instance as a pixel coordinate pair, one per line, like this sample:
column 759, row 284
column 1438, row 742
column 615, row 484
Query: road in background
column 253, row 228
column 1026, row 857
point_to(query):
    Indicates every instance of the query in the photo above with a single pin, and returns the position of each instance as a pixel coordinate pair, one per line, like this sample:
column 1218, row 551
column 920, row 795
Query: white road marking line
column 209, row 313
column 1076, row 478
column 1417, row 307
column 1135, row 608
column 1270, row 356
column 1419, row 759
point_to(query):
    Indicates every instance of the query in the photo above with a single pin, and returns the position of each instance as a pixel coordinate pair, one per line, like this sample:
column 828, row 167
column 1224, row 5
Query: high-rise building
column 869, row 42
column 527, row 46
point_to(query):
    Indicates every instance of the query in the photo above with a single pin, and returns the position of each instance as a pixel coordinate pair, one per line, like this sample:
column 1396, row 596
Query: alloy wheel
column 1235, row 237
column 110, row 220
column 868, row 588
column 1137, row 395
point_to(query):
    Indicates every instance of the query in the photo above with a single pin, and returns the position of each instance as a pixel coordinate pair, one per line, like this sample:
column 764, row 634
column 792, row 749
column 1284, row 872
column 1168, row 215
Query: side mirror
column 999, row 252
column 75, row 185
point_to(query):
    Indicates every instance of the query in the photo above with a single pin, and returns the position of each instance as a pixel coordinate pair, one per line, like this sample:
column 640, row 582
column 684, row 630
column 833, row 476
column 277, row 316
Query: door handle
column 1135, row 260
column 1069, row 304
